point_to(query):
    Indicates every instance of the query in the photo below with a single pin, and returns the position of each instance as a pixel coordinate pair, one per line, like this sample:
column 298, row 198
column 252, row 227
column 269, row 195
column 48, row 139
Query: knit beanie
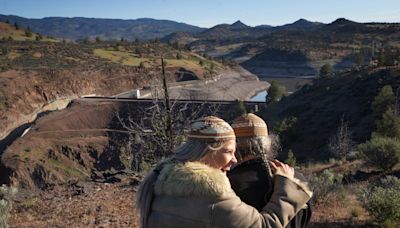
column 249, row 125
column 211, row 129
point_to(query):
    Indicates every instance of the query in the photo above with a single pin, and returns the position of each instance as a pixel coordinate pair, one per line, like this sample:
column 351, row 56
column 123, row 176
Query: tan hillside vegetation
column 10, row 32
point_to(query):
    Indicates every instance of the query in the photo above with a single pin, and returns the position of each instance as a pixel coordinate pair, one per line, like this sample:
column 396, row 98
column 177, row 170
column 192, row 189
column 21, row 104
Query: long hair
column 263, row 147
column 192, row 150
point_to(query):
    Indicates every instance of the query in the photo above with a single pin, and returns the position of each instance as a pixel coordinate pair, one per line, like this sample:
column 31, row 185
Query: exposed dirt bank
column 231, row 84
column 24, row 94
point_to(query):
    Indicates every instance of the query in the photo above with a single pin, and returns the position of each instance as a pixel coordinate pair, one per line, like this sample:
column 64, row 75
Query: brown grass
column 100, row 205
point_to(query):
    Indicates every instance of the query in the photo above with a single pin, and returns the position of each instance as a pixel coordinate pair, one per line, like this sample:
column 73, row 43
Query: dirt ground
column 91, row 204
column 78, row 205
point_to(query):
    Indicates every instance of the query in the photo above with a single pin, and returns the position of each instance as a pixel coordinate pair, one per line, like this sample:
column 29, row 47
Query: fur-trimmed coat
column 193, row 194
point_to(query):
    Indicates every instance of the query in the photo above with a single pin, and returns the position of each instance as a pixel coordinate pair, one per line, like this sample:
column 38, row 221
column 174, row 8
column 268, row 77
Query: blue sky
column 207, row 13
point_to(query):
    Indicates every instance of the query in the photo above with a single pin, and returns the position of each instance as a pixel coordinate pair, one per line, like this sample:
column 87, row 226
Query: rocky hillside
column 80, row 28
column 34, row 74
column 313, row 114
column 275, row 51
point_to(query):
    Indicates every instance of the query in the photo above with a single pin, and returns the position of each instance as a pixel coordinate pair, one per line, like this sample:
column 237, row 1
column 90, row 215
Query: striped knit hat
column 211, row 128
column 249, row 125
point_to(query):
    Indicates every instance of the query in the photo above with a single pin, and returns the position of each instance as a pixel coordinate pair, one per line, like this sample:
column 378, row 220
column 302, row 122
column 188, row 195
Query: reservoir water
column 260, row 96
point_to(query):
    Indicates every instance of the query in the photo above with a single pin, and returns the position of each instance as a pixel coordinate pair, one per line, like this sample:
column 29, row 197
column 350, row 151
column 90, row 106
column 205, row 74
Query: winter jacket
column 193, row 194
column 251, row 182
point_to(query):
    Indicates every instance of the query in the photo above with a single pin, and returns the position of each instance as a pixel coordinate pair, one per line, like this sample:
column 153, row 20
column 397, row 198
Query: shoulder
column 191, row 179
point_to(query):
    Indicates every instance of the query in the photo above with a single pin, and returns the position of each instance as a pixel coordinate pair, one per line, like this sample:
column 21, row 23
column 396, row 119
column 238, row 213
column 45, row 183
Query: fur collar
column 191, row 179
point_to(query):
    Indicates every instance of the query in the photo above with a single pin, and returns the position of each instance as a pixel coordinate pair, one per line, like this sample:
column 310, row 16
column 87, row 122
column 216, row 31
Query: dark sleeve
column 251, row 184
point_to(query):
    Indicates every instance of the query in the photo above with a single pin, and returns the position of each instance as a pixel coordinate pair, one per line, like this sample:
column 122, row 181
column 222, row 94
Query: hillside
column 81, row 166
column 268, row 51
column 320, row 107
column 10, row 32
column 34, row 74
column 80, row 28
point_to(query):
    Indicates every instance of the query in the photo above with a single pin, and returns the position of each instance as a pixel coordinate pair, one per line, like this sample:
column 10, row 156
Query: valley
column 80, row 160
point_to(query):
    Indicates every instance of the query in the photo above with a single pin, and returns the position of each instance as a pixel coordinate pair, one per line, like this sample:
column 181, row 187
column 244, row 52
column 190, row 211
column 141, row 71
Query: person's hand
column 283, row 168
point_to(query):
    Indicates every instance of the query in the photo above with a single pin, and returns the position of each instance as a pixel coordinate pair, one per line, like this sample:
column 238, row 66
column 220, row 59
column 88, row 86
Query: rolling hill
column 80, row 27
column 316, row 110
column 10, row 32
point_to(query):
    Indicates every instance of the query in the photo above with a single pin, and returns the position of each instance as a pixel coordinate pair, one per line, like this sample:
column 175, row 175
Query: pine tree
column 28, row 32
column 383, row 100
column 291, row 159
column 275, row 92
column 201, row 62
column 326, row 71
column 389, row 125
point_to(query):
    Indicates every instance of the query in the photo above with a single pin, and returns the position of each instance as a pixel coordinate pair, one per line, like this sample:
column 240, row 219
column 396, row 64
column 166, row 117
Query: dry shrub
column 382, row 200
column 7, row 195
column 326, row 183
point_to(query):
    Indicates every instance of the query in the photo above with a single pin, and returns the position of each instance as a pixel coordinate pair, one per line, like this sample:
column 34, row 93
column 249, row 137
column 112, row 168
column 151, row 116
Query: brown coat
column 193, row 195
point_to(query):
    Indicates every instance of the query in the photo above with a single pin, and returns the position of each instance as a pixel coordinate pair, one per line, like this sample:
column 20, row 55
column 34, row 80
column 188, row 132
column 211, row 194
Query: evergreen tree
column 291, row 159
column 286, row 129
column 326, row 71
column 238, row 109
column 141, row 65
column 212, row 66
column 387, row 57
column 28, row 32
column 389, row 125
column 384, row 100
column 275, row 92
column 201, row 62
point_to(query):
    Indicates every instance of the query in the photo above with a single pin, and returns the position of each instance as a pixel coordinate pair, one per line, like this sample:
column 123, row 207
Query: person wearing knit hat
column 252, row 179
column 211, row 128
column 191, row 188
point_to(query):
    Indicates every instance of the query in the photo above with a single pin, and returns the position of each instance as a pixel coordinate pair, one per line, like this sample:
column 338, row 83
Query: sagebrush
column 382, row 200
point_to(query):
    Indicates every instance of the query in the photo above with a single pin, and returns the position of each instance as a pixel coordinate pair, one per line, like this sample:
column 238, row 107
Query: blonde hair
column 192, row 150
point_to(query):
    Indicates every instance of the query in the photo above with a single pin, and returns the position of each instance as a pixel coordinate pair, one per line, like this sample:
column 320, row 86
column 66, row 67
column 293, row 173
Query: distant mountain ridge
column 80, row 27
column 239, row 25
column 143, row 28
column 302, row 24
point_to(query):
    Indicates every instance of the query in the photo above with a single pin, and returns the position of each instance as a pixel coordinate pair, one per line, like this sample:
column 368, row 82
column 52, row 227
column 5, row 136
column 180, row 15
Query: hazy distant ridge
column 80, row 27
